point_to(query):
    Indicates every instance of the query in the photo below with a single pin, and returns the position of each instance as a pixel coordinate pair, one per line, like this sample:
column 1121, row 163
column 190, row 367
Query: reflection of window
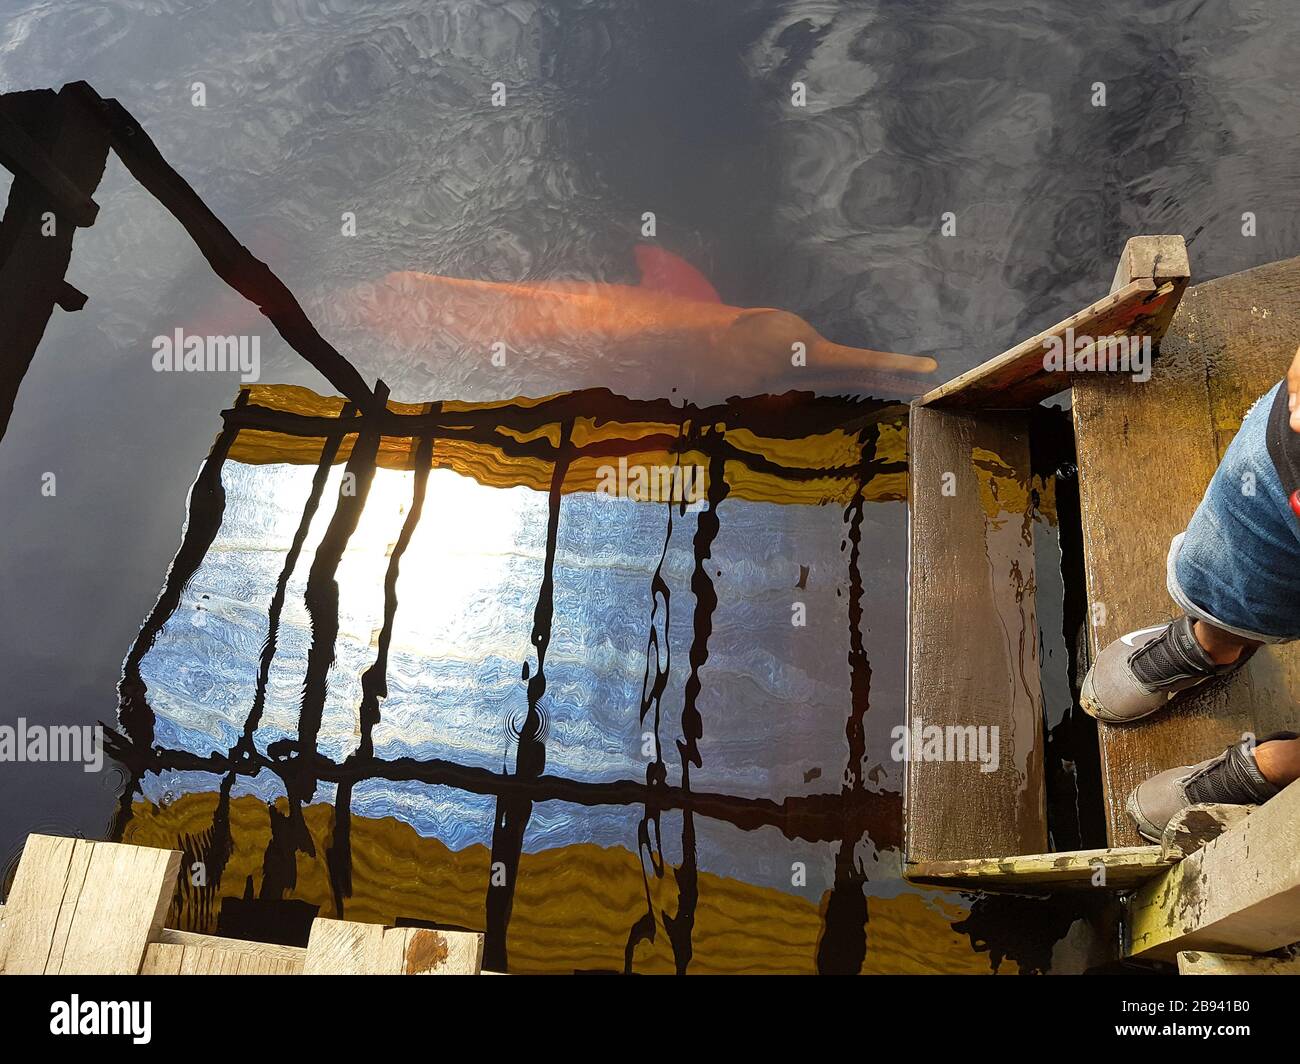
column 450, row 599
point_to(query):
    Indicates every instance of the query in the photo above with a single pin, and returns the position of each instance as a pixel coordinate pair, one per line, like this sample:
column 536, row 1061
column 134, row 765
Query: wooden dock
column 1145, row 453
column 97, row 908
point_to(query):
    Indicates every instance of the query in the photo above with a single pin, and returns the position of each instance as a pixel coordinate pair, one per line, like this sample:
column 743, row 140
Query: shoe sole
column 1145, row 827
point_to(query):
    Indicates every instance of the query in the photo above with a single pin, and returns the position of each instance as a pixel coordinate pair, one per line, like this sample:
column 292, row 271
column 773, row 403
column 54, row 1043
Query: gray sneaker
column 1140, row 672
column 1232, row 778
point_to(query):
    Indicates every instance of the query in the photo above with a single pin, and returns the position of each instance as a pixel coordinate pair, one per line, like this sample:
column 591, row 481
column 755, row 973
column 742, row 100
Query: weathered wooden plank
column 1017, row 378
column 1193, row 827
column 214, row 955
column 1194, row 962
column 120, row 908
column 1238, row 894
column 39, row 886
column 1121, row 868
column 86, row 908
column 340, row 947
column 1118, row 869
column 75, row 877
column 1149, row 281
column 973, row 638
column 162, row 958
column 290, row 954
column 1133, row 499
column 424, row 951
column 1230, row 340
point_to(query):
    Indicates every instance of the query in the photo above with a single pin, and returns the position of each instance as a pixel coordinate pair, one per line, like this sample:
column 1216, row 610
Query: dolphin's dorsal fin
column 662, row 271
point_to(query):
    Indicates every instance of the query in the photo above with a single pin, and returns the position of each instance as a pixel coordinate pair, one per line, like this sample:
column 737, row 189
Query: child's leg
column 1279, row 761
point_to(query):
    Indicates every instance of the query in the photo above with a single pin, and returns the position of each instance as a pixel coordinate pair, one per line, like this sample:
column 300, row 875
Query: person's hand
column 1293, row 391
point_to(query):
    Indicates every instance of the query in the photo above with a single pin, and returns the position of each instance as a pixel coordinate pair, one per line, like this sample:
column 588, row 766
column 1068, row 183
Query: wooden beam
column 1121, row 868
column 1118, row 869
column 85, row 908
column 1153, row 273
column 1238, row 894
column 1194, row 962
column 972, row 639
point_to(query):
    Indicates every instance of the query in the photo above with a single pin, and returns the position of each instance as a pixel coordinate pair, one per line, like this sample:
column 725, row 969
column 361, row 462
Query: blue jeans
column 1237, row 566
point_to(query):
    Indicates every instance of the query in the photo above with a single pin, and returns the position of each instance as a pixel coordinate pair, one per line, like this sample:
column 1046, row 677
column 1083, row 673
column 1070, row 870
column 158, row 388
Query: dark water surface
column 831, row 212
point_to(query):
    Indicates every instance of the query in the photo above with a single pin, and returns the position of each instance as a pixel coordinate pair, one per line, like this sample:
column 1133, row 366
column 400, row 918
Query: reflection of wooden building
column 774, row 450
column 792, row 449
column 1145, row 453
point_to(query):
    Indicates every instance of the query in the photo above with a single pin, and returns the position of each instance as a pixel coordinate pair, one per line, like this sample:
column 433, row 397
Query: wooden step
column 1121, row 868
column 1117, row 869
column 1154, row 275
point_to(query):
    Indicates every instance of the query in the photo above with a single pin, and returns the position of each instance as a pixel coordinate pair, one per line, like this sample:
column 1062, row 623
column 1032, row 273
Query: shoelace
column 1171, row 656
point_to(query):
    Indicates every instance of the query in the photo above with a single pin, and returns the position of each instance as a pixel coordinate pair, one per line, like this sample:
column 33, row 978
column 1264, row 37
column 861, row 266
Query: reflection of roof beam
column 57, row 153
column 22, row 155
column 811, row 817
column 790, row 416
column 231, row 261
column 812, row 455
column 56, row 145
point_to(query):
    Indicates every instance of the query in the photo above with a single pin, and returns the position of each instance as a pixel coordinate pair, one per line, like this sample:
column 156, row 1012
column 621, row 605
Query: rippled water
column 830, row 212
